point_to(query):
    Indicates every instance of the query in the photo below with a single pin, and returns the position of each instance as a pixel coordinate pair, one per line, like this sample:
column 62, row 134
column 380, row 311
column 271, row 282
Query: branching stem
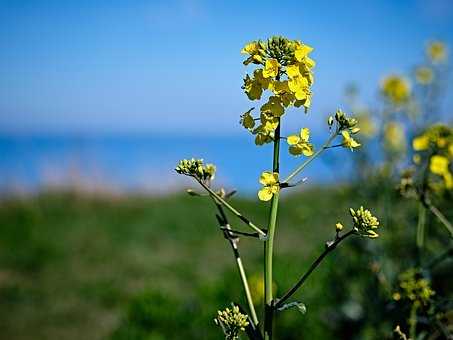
column 329, row 247
column 232, row 209
column 311, row 158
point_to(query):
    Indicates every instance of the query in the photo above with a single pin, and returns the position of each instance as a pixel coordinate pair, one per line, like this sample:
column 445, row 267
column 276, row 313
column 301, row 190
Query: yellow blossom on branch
column 299, row 144
column 348, row 141
column 270, row 183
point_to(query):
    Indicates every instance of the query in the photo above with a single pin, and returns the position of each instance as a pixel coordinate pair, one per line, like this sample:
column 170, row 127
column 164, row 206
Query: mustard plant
column 281, row 77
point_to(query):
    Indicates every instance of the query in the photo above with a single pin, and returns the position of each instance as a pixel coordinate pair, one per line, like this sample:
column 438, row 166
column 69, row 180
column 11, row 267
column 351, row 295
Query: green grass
column 74, row 266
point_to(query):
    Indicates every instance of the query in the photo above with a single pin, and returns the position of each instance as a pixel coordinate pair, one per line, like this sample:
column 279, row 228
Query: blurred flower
column 232, row 322
column 438, row 165
column 396, row 89
column 299, row 143
column 271, row 185
column 420, row 143
column 367, row 126
column 364, row 222
column 437, row 52
column 415, row 287
column 424, row 75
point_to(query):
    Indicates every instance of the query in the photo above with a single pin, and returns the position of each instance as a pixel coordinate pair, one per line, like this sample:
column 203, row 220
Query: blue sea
column 145, row 163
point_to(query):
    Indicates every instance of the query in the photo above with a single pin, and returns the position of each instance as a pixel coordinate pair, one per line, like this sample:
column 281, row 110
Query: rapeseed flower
column 299, row 144
column 437, row 52
column 270, row 183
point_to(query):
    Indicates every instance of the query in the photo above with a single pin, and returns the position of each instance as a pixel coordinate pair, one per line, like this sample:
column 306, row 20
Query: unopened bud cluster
column 196, row 168
column 364, row 222
column 232, row 322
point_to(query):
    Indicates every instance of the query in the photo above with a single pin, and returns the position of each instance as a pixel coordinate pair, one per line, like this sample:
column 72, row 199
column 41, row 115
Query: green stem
column 441, row 218
column 413, row 322
column 233, row 210
column 269, row 245
column 234, row 245
column 421, row 226
column 329, row 247
column 248, row 295
column 309, row 160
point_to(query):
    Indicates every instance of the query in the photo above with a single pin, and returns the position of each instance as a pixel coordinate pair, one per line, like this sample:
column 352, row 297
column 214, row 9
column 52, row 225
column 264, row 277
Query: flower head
column 196, row 168
column 232, row 322
column 365, row 223
column 437, row 52
column 298, row 144
column 270, row 183
column 285, row 69
column 396, row 89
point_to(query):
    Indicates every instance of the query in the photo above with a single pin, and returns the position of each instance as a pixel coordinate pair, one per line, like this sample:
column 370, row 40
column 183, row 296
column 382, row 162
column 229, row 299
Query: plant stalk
column 223, row 221
column 269, row 245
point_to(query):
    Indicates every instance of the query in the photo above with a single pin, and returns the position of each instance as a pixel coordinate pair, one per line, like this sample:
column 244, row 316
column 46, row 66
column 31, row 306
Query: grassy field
column 75, row 266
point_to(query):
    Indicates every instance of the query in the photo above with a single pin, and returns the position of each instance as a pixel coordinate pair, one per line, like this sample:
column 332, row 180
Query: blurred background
column 99, row 100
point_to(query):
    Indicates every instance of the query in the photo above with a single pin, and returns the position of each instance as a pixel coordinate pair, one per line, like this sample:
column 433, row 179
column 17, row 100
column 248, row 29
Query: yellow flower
column 424, row 75
column 437, row 51
column 293, row 71
column 439, row 165
column 252, row 88
column 274, row 106
column 268, row 123
column 420, row 143
column 270, row 183
column 247, row 120
column 338, row 227
column 300, row 87
column 299, row 143
column 271, row 68
column 348, row 141
column 302, row 52
column 251, row 48
column 396, row 89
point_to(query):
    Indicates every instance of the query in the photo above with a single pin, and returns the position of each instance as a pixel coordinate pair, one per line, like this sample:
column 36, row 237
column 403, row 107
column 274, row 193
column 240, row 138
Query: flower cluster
column 232, row 322
column 364, row 222
column 414, row 287
column 196, row 168
column 347, row 126
column 436, row 144
column 396, row 90
column 271, row 185
column 285, row 70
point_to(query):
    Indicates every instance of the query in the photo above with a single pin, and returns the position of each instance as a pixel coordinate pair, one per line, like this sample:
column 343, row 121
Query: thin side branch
column 310, row 159
column 329, row 247
column 233, row 240
column 232, row 209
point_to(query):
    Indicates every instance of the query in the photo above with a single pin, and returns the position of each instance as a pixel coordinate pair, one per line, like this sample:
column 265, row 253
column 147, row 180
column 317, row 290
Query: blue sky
column 174, row 66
